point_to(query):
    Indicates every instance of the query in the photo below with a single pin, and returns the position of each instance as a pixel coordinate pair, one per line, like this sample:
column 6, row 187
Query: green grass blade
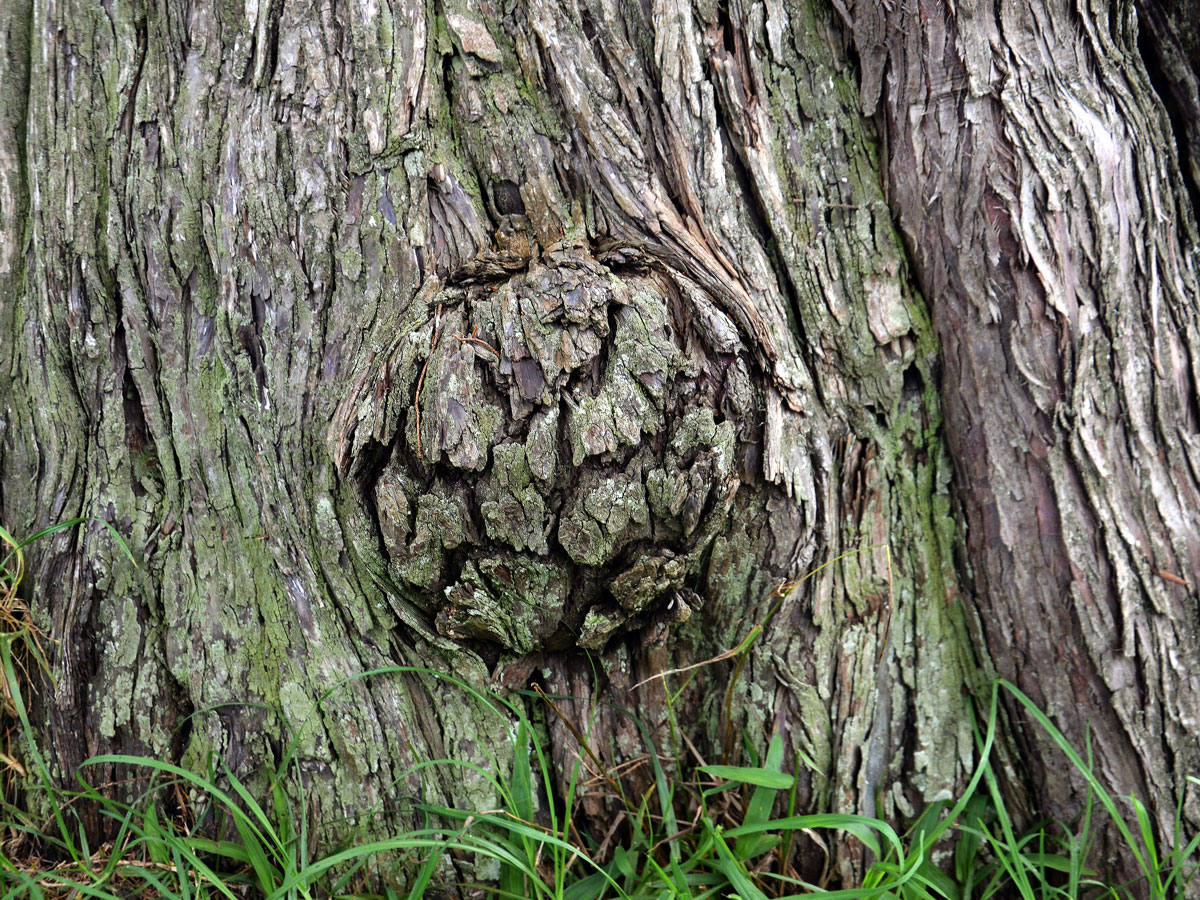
column 863, row 828
column 268, row 876
column 590, row 887
column 1102, row 795
column 226, row 849
column 966, row 848
column 520, row 801
column 62, row 526
column 183, row 873
column 1146, row 829
column 522, row 776
column 265, row 832
column 752, row 775
column 185, row 775
column 666, row 796
column 424, row 875
column 156, row 846
column 733, row 869
column 18, row 702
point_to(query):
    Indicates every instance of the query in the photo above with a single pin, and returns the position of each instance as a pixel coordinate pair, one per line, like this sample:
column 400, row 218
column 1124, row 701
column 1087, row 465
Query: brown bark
column 1034, row 173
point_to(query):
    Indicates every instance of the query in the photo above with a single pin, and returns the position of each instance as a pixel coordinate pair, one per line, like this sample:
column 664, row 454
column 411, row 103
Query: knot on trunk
column 568, row 451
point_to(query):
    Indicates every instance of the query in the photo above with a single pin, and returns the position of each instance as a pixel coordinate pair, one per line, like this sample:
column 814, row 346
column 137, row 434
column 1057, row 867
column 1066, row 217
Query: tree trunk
column 1035, row 175
column 540, row 342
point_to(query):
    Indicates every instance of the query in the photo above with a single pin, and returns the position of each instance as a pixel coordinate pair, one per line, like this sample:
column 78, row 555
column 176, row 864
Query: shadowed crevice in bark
column 1169, row 43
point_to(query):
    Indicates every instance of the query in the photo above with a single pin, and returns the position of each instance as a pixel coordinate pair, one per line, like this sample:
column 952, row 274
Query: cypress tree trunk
column 542, row 342
column 1037, row 179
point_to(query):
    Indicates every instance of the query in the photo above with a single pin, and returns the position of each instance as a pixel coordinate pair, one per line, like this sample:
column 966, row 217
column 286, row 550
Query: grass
column 711, row 831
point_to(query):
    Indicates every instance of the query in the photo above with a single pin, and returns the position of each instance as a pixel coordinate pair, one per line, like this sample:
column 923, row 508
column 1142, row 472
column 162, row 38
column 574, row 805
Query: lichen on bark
column 538, row 348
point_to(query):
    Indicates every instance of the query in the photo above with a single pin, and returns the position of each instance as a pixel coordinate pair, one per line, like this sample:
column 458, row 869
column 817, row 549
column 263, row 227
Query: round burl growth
column 565, row 459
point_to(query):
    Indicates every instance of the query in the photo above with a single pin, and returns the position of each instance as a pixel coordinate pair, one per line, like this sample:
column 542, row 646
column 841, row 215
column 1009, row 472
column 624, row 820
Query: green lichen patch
column 648, row 578
column 513, row 510
column 600, row 624
column 642, row 362
column 442, row 523
column 698, row 429
column 510, row 600
column 607, row 513
column 700, row 482
column 666, row 492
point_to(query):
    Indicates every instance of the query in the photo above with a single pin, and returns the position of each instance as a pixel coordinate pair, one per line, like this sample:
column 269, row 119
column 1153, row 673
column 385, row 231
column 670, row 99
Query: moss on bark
column 537, row 348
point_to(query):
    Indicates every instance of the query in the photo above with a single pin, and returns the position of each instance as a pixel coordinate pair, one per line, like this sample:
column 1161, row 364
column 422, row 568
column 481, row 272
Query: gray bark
column 540, row 342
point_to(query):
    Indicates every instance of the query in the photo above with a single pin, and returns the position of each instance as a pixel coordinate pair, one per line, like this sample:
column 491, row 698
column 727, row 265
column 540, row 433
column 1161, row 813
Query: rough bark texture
column 531, row 341
column 1035, row 176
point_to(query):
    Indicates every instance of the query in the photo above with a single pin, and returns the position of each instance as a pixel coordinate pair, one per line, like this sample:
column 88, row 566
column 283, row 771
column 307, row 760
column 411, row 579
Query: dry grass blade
column 16, row 627
column 779, row 594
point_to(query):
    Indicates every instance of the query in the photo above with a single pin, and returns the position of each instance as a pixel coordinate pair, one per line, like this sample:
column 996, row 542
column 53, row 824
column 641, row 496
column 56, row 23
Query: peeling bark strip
column 1033, row 171
column 542, row 341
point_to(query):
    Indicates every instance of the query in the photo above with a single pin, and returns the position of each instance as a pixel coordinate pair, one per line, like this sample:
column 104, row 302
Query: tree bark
column 541, row 342
column 1035, row 175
